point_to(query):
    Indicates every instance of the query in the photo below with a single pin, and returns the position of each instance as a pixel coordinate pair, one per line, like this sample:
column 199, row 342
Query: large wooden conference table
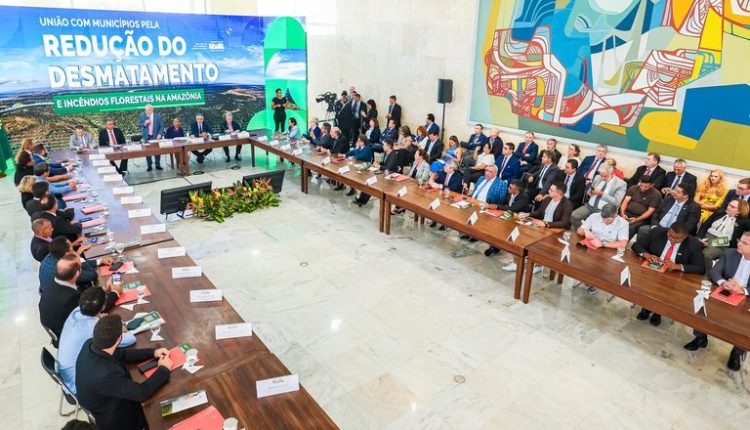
column 669, row 294
column 231, row 366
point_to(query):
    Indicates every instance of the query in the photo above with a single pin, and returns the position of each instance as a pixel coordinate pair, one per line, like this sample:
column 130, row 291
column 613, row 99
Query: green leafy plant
column 220, row 204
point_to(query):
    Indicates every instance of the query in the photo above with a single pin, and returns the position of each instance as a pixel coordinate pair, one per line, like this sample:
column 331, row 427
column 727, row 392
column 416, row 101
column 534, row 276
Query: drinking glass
column 119, row 248
column 705, row 285
column 230, row 423
column 620, row 251
column 191, row 356
column 155, row 327
column 566, row 236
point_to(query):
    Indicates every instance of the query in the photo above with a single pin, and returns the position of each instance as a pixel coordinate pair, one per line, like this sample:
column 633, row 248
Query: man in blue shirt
column 41, row 171
column 78, row 328
column 478, row 139
column 40, row 156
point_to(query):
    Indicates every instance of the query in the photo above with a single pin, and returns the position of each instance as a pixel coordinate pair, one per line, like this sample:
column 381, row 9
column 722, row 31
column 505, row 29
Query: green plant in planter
column 220, row 204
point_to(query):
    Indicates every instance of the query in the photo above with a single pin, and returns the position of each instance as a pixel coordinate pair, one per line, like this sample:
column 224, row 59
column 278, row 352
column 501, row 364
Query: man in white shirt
column 605, row 229
column 732, row 273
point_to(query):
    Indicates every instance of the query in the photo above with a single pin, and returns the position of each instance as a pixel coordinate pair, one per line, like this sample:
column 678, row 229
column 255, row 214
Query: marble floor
column 416, row 330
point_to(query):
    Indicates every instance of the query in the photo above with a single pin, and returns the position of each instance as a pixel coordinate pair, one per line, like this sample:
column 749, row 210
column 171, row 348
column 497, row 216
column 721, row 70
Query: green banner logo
column 131, row 100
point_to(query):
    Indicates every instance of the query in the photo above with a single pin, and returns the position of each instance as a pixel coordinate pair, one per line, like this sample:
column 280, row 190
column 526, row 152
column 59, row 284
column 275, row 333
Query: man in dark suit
column 679, row 176
column 552, row 147
column 741, row 191
column 112, row 136
column 42, row 229
column 675, row 249
column 433, row 147
column 394, row 111
column 575, row 184
column 40, row 190
column 61, row 296
column 325, row 136
column 543, row 175
column 390, row 163
column 358, row 108
column 60, row 226
column 652, row 169
column 678, row 207
column 527, row 152
column 591, row 164
column 731, row 273
column 496, row 143
column 508, row 165
column 103, row 383
column 200, row 128
column 516, row 200
column 58, row 248
column 151, row 126
column 430, row 125
column 555, row 209
column 478, row 139
column 345, row 118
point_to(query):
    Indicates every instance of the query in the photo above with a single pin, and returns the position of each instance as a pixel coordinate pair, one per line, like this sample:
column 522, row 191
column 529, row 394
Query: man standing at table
column 103, row 383
column 394, row 111
column 732, row 273
column 112, row 136
column 151, row 125
column 675, row 249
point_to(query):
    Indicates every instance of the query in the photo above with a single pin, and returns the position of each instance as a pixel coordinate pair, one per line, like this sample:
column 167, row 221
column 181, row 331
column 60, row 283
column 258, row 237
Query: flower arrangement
column 220, row 204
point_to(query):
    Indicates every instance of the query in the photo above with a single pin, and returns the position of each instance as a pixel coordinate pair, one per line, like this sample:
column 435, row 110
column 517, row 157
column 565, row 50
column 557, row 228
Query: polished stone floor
column 416, row 330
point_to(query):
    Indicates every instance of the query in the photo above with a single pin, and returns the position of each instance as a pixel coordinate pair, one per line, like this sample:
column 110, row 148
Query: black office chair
column 48, row 364
column 52, row 336
column 89, row 415
column 136, row 137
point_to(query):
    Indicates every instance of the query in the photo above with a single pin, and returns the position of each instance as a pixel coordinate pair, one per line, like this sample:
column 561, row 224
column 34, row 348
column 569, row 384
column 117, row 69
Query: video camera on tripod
column 330, row 99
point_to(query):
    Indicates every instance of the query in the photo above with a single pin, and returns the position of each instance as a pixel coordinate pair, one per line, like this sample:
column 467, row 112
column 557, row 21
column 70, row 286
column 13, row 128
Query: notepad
column 107, row 271
column 131, row 294
column 733, row 299
column 176, row 354
column 73, row 197
column 92, row 209
column 93, row 223
column 207, row 419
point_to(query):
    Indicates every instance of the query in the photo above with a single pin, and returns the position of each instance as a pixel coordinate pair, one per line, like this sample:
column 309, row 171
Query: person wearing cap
column 103, row 382
column 639, row 204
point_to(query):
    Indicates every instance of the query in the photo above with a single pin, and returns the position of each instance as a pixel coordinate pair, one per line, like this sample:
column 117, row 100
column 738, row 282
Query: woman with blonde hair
column 24, row 161
column 24, row 187
column 710, row 193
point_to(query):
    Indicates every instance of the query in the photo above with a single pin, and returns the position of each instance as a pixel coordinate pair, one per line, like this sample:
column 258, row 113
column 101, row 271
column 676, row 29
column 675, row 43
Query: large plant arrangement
column 220, row 204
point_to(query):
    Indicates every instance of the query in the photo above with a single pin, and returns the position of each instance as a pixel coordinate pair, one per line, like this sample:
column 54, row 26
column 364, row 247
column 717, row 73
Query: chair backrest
column 49, row 365
column 89, row 415
column 53, row 337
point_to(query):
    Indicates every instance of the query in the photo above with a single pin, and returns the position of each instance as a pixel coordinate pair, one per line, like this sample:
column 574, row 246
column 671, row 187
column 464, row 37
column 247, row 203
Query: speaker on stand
column 444, row 95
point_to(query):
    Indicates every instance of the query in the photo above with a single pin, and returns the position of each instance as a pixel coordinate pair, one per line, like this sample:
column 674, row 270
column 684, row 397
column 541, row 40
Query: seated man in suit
column 40, row 190
column 78, row 328
column 606, row 188
column 496, row 143
column 430, row 125
column 390, row 132
column 527, row 152
column 58, row 248
column 362, row 153
column 575, row 184
column 389, row 164
column 112, row 136
column 433, row 147
column 448, row 178
column 652, row 169
column 61, row 296
column 678, row 207
column 478, row 139
column 200, row 128
column 732, row 273
column 81, row 140
column 679, row 175
column 639, row 204
column 42, row 229
column 741, row 191
column 552, row 147
column 516, row 200
column 723, row 229
column 591, row 164
column 41, row 171
column 489, row 190
column 55, row 169
column 60, row 226
column 228, row 127
column 543, row 175
column 102, row 380
column 509, row 168
column 674, row 249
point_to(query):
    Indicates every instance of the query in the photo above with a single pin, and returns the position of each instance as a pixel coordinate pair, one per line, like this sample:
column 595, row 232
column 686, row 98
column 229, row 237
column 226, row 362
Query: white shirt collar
column 66, row 283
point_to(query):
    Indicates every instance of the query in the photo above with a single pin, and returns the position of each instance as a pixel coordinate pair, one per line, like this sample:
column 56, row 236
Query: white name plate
column 434, row 204
column 286, row 147
column 231, row 331
column 402, row 192
column 131, row 200
column 104, row 150
column 166, row 144
column 212, row 295
column 298, row 151
column 112, row 178
column 175, row 251
column 99, row 156
column 325, row 161
column 196, row 140
column 344, row 169
column 514, row 234
column 122, row 190
column 186, row 272
column 473, row 218
column 110, row 169
column 139, row 213
column 279, row 385
column 100, row 163
column 273, row 142
column 153, row 228
column 225, row 137
column 246, row 134
column 136, row 147
column 372, row 180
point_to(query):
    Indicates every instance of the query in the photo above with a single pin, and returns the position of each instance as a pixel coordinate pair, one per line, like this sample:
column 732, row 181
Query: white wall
column 382, row 47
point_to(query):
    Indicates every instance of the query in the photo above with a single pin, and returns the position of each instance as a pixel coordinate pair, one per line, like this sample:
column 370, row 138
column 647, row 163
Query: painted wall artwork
column 670, row 76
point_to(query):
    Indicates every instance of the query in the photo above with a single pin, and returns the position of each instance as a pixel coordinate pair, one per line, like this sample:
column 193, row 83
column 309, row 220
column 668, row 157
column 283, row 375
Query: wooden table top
column 669, row 294
column 233, row 393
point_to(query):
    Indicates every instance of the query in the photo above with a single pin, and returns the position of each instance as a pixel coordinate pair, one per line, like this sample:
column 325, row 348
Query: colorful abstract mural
column 671, row 76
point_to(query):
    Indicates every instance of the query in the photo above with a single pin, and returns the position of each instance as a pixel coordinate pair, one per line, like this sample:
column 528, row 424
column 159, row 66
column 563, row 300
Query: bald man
column 42, row 229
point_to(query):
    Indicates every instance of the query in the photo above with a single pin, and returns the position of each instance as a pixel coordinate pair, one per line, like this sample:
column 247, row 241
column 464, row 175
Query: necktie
column 429, row 147
column 512, row 199
column 567, row 185
column 200, row 129
column 676, row 182
column 480, row 188
column 599, row 198
column 151, row 125
column 505, row 163
column 541, row 177
column 112, row 140
column 648, row 172
column 592, row 170
column 670, row 250
column 673, row 214
column 523, row 151
column 447, row 179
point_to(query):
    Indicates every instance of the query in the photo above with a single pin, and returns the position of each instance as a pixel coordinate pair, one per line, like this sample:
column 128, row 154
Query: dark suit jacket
column 577, row 188
column 391, row 162
column 690, row 212
column 357, row 118
column 555, row 157
column 395, row 112
column 389, row 133
column 690, row 254
column 520, row 203
column 477, row 141
column 435, row 152
column 39, row 248
column 553, row 174
column 33, row 206
column 374, row 136
column 512, row 168
column 740, row 226
column 344, row 117
column 531, row 153
column 194, row 128
column 60, row 226
column 58, row 301
column 497, row 146
column 657, row 177
column 455, row 183
column 106, row 390
column 726, row 267
column 325, row 141
column 104, row 137
column 687, row 179
column 731, row 195
column 587, row 163
column 340, row 145
column 561, row 217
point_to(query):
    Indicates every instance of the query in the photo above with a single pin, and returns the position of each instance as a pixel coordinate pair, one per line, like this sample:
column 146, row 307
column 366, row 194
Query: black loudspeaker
column 445, row 90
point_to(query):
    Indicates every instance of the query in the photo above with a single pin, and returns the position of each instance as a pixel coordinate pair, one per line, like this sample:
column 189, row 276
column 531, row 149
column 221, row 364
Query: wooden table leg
column 519, row 276
column 559, row 278
column 252, row 155
column 527, row 281
column 186, row 162
column 381, row 217
column 387, row 216
column 304, row 178
column 551, row 274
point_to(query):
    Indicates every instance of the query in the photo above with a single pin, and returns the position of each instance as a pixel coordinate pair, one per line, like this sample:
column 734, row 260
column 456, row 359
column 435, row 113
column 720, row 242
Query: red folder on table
column 131, row 295
column 92, row 223
column 398, row 178
column 659, row 267
column 176, row 354
column 497, row 213
column 92, row 209
column 587, row 243
column 338, row 159
column 733, row 299
column 207, row 419
column 72, row 197
column 106, row 271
